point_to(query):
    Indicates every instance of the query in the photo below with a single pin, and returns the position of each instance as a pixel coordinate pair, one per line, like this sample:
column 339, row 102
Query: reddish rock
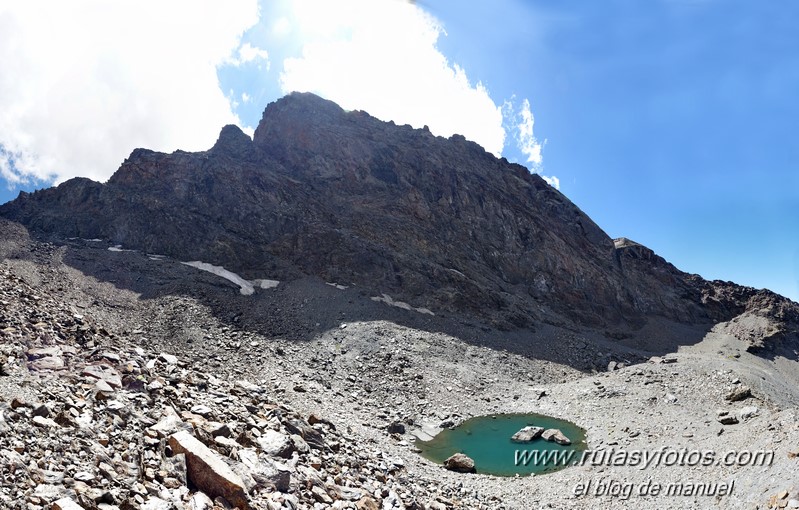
column 208, row 472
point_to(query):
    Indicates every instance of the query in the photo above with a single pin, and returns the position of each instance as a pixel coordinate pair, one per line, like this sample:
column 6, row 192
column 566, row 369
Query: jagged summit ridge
column 437, row 223
column 233, row 141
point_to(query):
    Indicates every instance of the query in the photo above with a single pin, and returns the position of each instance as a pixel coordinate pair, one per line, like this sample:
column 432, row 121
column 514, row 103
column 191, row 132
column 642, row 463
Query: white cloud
column 521, row 122
column 552, row 181
column 86, row 81
column 381, row 57
column 248, row 53
column 245, row 97
column 527, row 141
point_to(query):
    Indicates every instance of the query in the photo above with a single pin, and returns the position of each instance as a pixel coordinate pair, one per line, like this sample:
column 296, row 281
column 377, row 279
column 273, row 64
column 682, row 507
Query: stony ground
column 110, row 359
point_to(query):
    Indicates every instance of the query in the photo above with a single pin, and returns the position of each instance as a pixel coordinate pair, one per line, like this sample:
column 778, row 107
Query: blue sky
column 671, row 122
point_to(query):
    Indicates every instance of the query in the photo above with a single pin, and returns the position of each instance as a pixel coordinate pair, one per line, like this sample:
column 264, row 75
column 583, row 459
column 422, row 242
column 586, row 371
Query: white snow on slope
column 337, row 285
column 400, row 304
column 266, row 284
column 245, row 287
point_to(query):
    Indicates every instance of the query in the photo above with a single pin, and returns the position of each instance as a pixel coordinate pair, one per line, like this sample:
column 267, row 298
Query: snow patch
column 400, row 304
column 337, row 285
column 266, row 284
column 117, row 248
column 245, row 287
column 451, row 270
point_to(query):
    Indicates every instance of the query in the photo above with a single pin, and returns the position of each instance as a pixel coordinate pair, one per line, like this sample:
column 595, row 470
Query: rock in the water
column 461, row 463
column 207, row 471
column 556, row 436
column 527, row 434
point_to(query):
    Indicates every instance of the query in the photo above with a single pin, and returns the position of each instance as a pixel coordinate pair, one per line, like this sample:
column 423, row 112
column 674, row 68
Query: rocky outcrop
column 436, row 223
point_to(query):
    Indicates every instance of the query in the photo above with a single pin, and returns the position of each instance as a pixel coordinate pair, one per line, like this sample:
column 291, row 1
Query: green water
column 486, row 439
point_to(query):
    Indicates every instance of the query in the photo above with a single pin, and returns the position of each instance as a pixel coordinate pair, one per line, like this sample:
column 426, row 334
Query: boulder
column 396, row 428
column 527, row 434
column 725, row 418
column 207, row 471
column 66, row 504
column 264, row 471
column 739, row 393
column 461, row 463
column 556, row 436
column 276, row 444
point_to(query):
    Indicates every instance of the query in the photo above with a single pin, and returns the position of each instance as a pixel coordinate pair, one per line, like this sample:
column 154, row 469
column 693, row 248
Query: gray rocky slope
column 437, row 223
column 113, row 362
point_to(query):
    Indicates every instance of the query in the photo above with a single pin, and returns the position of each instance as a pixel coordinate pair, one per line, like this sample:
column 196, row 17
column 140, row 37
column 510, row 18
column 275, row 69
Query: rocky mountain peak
column 438, row 223
column 274, row 324
column 233, row 142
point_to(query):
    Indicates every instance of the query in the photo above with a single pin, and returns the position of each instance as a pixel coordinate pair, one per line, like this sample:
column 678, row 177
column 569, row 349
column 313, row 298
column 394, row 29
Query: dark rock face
column 438, row 223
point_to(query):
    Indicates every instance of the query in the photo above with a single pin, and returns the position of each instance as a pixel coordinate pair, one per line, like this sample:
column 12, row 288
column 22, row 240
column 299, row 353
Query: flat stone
column 47, row 363
column 105, row 373
column 202, row 410
column 155, row 384
column 66, row 504
column 43, row 352
column 748, row 412
column 169, row 359
column 83, row 476
column 527, row 434
column 40, row 421
column 556, row 436
column 321, row 495
column 103, row 386
column 50, row 492
column 208, row 472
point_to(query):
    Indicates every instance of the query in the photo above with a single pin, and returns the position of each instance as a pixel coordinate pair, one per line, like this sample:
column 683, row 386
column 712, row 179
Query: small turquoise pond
column 486, row 439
